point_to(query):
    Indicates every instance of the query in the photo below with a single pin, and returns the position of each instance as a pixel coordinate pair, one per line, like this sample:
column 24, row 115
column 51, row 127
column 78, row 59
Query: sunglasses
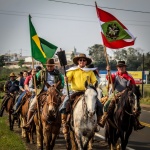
column 82, row 60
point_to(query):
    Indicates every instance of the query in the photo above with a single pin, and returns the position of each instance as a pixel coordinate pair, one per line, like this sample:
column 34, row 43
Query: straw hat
column 75, row 59
column 50, row 62
column 121, row 63
column 12, row 74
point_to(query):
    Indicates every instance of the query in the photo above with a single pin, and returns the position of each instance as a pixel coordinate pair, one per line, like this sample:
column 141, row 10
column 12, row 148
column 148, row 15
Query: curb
column 145, row 107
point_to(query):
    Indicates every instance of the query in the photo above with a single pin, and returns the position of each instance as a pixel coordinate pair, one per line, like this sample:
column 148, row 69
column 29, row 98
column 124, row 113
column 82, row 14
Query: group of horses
column 47, row 121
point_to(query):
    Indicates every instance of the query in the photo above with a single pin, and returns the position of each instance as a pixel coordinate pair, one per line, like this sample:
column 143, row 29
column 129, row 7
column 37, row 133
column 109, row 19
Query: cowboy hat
column 50, row 62
column 75, row 59
column 12, row 75
column 121, row 63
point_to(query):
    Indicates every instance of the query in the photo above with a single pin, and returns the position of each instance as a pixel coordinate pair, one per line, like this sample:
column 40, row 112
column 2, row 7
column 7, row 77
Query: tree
column 20, row 63
column 2, row 61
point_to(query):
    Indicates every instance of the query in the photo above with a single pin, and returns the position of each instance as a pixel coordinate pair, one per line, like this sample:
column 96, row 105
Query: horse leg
column 10, row 122
column 73, row 143
column 38, row 135
column 128, row 133
column 23, row 133
column 90, row 144
column 47, row 137
column 52, row 143
column 31, row 138
column 122, row 141
column 78, row 139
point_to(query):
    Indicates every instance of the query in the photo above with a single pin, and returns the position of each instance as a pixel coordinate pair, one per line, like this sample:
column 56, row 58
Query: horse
column 121, row 123
column 9, row 108
column 84, row 125
column 50, row 117
column 23, row 111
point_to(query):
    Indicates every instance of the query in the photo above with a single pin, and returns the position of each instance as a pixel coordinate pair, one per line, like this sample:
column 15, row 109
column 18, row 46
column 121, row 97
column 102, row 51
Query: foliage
column 134, row 58
column 4, row 72
column 20, row 63
column 8, row 139
column 2, row 63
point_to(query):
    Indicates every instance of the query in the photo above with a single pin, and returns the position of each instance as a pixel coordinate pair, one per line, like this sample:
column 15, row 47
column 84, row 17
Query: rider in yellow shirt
column 77, row 76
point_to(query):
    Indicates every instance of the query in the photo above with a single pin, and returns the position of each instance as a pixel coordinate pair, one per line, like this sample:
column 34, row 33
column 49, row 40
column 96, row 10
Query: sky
column 69, row 23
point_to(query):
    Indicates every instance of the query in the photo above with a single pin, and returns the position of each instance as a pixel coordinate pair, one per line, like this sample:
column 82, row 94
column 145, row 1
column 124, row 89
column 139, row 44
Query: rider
column 121, row 79
column 10, row 87
column 51, row 76
column 22, row 92
column 77, row 76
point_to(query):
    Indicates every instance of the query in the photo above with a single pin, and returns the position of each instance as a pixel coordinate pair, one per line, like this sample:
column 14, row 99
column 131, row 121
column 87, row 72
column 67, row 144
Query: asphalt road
column 139, row 140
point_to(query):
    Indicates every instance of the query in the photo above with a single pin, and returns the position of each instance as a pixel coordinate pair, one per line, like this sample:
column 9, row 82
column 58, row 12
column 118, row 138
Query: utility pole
column 20, row 52
column 142, row 75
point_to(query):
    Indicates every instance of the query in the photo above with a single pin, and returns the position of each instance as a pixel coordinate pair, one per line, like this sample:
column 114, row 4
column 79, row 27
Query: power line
column 68, row 19
column 101, row 6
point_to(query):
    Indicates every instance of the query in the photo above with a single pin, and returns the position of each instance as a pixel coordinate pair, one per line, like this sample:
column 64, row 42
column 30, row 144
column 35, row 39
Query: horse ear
column 86, row 84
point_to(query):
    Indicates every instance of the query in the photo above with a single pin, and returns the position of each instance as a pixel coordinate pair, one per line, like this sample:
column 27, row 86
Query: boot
column 137, row 124
column 65, row 130
column 102, row 119
column 27, row 126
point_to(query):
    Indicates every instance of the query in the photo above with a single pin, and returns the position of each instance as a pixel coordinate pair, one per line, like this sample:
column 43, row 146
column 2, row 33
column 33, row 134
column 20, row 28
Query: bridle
column 53, row 100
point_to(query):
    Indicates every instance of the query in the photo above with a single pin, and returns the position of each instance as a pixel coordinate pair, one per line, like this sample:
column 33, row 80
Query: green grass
column 9, row 140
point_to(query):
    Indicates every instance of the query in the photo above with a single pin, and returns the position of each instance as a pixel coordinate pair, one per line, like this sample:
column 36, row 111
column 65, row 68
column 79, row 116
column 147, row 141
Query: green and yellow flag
column 40, row 48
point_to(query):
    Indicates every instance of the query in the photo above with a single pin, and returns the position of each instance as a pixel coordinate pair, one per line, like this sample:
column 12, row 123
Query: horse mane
column 136, row 91
column 92, row 87
column 123, row 98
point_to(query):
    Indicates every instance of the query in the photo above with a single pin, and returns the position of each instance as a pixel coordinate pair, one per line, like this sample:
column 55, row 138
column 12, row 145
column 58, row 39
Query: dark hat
column 38, row 68
column 50, row 62
column 75, row 59
column 21, row 73
column 121, row 63
column 12, row 74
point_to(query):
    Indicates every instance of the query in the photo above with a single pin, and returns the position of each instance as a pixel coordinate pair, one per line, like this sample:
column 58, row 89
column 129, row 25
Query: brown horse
column 23, row 117
column 50, row 117
column 9, row 108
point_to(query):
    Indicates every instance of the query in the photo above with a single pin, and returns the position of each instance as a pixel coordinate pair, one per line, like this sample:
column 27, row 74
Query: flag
column 40, row 48
column 114, row 34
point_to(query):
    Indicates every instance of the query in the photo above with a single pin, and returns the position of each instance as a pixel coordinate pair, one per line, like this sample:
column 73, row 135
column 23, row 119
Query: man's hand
column 66, row 78
column 108, row 68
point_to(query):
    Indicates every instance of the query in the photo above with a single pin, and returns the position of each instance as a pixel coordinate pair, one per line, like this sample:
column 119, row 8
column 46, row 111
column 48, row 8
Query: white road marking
column 102, row 137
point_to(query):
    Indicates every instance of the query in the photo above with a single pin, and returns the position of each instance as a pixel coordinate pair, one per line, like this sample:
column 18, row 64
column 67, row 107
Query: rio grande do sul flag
column 114, row 34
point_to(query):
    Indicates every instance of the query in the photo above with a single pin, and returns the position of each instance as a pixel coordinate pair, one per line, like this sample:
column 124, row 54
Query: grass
column 9, row 140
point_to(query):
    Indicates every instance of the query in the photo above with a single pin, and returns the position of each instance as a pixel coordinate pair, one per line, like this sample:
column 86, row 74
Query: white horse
column 85, row 118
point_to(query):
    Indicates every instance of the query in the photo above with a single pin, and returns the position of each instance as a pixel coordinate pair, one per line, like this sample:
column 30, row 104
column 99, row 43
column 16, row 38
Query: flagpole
column 38, row 107
column 109, row 74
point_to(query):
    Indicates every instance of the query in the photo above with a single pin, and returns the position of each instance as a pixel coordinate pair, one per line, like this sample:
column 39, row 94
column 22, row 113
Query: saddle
column 73, row 101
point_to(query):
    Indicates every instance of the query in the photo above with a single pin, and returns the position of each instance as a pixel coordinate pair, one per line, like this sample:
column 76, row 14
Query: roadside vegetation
column 9, row 140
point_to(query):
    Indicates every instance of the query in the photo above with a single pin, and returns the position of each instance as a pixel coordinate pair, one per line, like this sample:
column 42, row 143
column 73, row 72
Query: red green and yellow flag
column 114, row 34
column 40, row 48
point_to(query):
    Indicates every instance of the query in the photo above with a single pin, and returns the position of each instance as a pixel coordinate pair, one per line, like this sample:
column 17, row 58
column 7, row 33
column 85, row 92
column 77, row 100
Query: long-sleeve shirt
column 78, row 77
column 122, row 80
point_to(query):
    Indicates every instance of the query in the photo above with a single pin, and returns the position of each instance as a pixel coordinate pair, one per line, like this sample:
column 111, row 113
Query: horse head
column 130, row 98
column 90, row 97
column 52, row 102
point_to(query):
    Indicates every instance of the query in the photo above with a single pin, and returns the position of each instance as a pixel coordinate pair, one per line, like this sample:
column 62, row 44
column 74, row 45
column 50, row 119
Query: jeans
column 19, row 99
